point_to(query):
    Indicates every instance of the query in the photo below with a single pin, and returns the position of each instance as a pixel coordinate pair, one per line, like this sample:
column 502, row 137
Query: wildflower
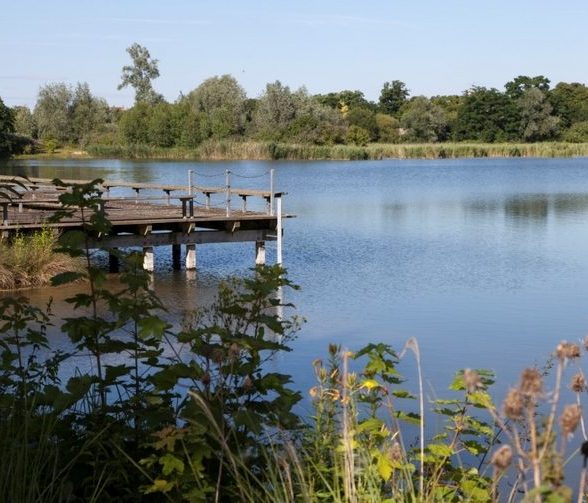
column 313, row 392
column 570, row 418
column 531, row 382
column 567, row 350
column 513, row 405
column 578, row 383
column 502, row 457
column 472, row 380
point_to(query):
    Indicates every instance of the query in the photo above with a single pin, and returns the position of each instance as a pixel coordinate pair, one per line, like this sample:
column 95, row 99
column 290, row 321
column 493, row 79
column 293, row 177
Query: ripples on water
column 484, row 261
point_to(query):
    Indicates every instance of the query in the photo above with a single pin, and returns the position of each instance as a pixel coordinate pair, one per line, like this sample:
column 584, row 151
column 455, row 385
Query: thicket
column 199, row 413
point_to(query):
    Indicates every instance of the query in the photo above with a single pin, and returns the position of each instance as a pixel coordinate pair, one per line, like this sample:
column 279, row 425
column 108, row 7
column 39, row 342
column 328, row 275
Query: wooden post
column 279, row 230
column 260, row 253
column 148, row 258
column 271, row 201
column 176, row 257
column 228, row 191
column 190, row 257
column 113, row 263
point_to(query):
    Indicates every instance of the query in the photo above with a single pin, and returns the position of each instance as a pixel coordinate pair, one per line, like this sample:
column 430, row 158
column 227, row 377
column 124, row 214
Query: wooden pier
column 148, row 215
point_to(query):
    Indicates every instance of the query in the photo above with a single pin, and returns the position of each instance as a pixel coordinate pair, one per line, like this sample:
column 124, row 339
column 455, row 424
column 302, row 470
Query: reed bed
column 254, row 150
column 28, row 261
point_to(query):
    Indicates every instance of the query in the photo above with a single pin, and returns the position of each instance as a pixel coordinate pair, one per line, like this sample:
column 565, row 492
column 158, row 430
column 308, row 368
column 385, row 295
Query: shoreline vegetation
column 230, row 150
column 194, row 412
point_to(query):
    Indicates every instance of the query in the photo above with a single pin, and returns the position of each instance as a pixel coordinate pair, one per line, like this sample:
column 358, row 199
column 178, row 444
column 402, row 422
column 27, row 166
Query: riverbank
column 263, row 151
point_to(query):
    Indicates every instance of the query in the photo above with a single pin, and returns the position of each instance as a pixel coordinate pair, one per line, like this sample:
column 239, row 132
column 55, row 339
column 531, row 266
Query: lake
column 484, row 261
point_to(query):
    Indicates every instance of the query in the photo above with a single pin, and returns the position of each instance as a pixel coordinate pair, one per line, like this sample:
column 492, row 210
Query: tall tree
column 570, row 102
column 24, row 123
column 486, row 115
column 424, row 121
column 220, row 102
column 393, row 95
column 516, row 87
column 6, row 129
column 140, row 74
column 89, row 114
column 53, row 112
column 537, row 122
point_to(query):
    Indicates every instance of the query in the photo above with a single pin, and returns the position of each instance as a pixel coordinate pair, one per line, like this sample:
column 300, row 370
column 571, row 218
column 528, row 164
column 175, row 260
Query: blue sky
column 435, row 47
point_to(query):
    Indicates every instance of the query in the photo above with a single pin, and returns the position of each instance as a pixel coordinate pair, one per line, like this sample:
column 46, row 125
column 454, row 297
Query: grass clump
column 30, row 260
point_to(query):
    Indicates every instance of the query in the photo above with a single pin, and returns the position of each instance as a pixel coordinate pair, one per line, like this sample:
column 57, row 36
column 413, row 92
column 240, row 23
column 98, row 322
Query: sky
column 434, row 47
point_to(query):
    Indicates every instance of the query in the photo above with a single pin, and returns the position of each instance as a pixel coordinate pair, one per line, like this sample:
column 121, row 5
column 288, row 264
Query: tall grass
column 255, row 150
column 30, row 260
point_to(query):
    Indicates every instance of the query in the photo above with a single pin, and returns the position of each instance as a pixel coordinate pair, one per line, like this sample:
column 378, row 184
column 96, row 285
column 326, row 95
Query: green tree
column 516, row 87
column 6, row 129
column 388, row 128
column 578, row 133
column 357, row 135
column 486, row 115
column 365, row 119
column 133, row 125
column 53, row 112
column 570, row 102
column 537, row 122
column 424, row 121
column 393, row 95
column 220, row 101
column 140, row 74
column 276, row 110
column 162, row 130
column 89, row 114
column 24, row 123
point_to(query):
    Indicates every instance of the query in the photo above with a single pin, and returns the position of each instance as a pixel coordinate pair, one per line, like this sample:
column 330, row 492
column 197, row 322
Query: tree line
column 529, row 109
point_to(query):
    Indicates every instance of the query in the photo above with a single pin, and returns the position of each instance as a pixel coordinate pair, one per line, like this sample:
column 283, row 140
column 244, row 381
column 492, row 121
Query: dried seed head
column 531, row 382
column 567, row 350
column 234, row 351
column 513, row 404
column 313, row 392
column 570, row 418
column 586, row 343
column 247, row 383
column 472, row 380
column 396, row 452
column 205, row 378
column 218, row 356
column 334, row 349
column 578, row 383
column 502, row 457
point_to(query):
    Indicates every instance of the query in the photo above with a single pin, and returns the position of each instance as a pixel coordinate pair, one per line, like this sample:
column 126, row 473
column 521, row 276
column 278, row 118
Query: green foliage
column 393, row 96
column 519, row 85
column 486, row 115
column 6, row 130
column 570, row 102
column 537, row 122
column 219, row 102
column 357, row 135
column 577, row 133
column 140, row 74
column 423, row 121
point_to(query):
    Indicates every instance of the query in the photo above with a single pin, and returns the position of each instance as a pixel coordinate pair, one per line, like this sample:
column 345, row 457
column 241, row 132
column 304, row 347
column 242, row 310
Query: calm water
column 484, row 261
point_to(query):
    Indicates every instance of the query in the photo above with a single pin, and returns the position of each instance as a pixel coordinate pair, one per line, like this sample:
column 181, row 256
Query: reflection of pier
column 148, row 215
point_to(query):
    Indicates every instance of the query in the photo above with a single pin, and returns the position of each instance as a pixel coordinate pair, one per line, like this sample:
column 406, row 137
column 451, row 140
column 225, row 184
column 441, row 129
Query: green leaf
column 384, row 466
column 152, row 326
column 409, row 417
column 170, row 464
column 66, row 277
column 440, row 450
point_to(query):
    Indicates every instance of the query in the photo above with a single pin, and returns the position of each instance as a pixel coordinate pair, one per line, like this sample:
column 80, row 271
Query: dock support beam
column 260, row 253
column 148, row 259
column 190, row 257
column 176, row 257
column 113, row 263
